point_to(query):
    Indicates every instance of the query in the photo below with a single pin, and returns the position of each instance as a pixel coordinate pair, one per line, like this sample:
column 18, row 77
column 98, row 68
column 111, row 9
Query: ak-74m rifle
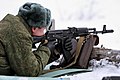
column 71, row 32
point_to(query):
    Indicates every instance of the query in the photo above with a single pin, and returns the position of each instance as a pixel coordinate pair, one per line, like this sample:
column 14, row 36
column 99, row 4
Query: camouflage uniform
column 16, row 56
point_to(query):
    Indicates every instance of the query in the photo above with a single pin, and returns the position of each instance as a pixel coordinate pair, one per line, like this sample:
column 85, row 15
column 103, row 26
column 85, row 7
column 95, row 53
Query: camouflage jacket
column 16, row 55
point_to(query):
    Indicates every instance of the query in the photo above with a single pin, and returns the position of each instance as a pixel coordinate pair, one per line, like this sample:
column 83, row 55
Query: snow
column 100, row 69
column 82, row 13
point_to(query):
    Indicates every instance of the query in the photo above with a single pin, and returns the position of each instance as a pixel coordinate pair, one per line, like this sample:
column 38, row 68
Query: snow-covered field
column 100, row 69
column 82, row 13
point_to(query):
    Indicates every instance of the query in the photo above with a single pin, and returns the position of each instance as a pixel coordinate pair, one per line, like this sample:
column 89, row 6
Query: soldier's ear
column 33, row 29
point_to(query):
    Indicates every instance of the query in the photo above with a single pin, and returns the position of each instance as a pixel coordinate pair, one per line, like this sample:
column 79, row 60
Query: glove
column 54, row 55
column 64, row 43
column 51, row 46
column 70, row 46
column 74, row 46
column 67, row 44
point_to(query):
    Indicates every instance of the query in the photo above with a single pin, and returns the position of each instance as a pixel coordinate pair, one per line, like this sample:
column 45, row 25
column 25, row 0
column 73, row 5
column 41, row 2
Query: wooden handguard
column 85, row 53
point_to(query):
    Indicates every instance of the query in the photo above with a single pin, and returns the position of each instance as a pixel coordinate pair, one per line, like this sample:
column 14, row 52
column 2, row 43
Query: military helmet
column 35, row 14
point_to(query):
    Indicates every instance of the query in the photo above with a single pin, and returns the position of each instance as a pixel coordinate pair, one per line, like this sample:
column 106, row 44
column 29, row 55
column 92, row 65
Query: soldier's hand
column 50, row 44
column 54, row 55
column 64, row 43
column 67, row 44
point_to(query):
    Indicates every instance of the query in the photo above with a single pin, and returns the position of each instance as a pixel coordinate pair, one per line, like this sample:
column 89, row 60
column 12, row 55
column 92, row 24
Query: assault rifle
column 71, row 32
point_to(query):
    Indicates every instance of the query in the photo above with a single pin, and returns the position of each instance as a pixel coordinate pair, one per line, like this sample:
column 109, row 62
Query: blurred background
column 78, row 13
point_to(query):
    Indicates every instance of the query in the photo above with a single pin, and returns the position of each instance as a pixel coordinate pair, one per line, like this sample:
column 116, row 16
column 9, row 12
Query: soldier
column 16, row 32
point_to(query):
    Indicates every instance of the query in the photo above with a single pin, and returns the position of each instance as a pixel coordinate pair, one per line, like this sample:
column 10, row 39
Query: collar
column 25, row 24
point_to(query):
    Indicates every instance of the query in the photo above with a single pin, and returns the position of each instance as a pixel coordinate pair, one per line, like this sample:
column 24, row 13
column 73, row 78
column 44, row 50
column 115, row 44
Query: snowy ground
column 100, row 69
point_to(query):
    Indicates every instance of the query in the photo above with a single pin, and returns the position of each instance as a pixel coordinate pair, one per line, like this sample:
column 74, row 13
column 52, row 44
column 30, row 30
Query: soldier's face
column 38, row 31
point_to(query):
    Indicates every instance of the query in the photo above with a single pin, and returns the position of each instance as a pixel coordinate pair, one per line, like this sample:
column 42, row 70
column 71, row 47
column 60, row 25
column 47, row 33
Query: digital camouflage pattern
column 16, row 56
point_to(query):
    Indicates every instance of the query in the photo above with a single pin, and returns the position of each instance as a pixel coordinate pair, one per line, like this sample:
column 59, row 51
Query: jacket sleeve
column 21, row 58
